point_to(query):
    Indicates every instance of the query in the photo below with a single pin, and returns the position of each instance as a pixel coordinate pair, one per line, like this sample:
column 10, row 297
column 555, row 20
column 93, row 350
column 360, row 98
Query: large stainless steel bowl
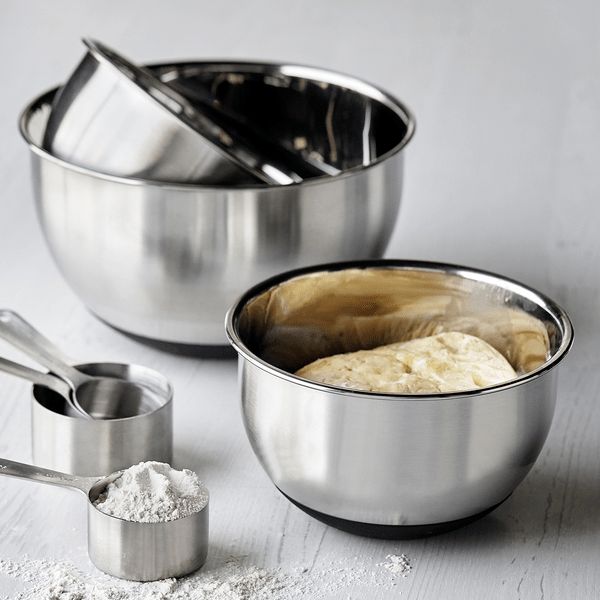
column 163, row 261
column 383, row 464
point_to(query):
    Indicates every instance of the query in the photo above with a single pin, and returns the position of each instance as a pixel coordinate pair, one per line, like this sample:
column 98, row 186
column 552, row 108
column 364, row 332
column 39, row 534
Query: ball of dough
column 447, row 362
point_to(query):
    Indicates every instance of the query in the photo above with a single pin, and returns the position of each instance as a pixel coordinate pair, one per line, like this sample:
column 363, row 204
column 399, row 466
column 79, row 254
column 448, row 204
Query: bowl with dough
column 397, row 398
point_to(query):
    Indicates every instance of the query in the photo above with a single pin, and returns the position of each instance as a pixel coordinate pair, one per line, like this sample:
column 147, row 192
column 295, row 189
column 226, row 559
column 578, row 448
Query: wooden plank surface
column 503, row 174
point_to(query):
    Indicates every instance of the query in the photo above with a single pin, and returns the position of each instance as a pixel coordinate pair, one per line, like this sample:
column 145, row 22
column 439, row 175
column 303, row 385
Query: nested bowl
column 163, row 261
column 116, row 117
column 391, row 465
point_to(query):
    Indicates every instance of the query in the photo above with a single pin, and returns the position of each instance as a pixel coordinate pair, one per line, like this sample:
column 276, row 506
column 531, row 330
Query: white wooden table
column 504, row 174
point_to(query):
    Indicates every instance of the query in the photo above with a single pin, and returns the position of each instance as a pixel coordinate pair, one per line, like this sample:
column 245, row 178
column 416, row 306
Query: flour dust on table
column 398, row 564
column 232, row 580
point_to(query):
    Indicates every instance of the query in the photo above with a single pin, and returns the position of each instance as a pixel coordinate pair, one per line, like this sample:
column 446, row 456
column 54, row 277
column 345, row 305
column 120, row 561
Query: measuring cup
column 123, row 430
column 127, row 549
column 62, row 440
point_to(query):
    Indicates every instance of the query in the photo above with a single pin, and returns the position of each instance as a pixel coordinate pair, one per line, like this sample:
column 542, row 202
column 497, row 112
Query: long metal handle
column 49, row 381
column 20, row 334
column 33, row 473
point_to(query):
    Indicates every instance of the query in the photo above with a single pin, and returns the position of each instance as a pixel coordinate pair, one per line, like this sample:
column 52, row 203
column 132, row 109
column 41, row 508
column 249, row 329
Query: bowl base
column 217, row 351
column 391, row 532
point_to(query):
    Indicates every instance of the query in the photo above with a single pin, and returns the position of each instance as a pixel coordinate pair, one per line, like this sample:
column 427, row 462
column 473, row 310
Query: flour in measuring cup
column 153, row 492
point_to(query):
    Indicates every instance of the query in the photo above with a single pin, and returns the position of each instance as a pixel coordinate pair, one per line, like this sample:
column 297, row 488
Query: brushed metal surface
column 146, row 551
column 63, row 441
column 382, row 458
column 127, row 549
column 164, row 261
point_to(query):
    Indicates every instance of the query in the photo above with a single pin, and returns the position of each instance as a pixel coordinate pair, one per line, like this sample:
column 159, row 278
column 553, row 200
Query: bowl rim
column 472, row 273
column 290, row 69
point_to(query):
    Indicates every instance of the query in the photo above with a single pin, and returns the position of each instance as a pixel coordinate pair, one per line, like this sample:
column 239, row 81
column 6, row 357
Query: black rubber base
column 391, row 532
column 193, row 350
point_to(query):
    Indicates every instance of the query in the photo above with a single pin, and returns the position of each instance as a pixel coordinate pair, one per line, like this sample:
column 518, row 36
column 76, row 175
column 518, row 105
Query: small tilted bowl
column 118, row 118
column 163, row 261
column 392, row 465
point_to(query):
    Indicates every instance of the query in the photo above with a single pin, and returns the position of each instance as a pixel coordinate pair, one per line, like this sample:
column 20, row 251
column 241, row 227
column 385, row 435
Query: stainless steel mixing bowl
column 163, row 261
column 383, row 464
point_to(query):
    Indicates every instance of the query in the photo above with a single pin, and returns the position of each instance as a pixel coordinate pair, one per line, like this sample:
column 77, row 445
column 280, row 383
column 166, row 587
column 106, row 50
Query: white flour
column 63, row 581
column 398, row 564
column 152, row 492
column 49, row 580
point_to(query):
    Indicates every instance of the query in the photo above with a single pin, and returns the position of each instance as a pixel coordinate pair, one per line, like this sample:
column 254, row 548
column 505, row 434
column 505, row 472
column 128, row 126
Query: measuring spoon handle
column 22, row 335
column 49, row 381
column 41, row 475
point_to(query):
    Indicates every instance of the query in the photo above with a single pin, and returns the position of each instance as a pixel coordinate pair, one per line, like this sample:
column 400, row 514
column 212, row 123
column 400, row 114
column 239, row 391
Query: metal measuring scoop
column 118, row 398
column 46, row 379
column 127, row 549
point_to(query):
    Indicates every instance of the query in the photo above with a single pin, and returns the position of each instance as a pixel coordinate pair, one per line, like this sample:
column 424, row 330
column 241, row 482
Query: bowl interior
column 293, row 322
column 324, row 116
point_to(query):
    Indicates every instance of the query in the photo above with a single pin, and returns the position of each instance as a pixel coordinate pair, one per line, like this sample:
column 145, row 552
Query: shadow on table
column 544, row 511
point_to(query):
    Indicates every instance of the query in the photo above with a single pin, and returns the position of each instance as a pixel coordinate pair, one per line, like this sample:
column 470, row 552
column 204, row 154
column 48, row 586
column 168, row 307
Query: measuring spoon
column 49, row 381
column 127, row 549
column 120, row 398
